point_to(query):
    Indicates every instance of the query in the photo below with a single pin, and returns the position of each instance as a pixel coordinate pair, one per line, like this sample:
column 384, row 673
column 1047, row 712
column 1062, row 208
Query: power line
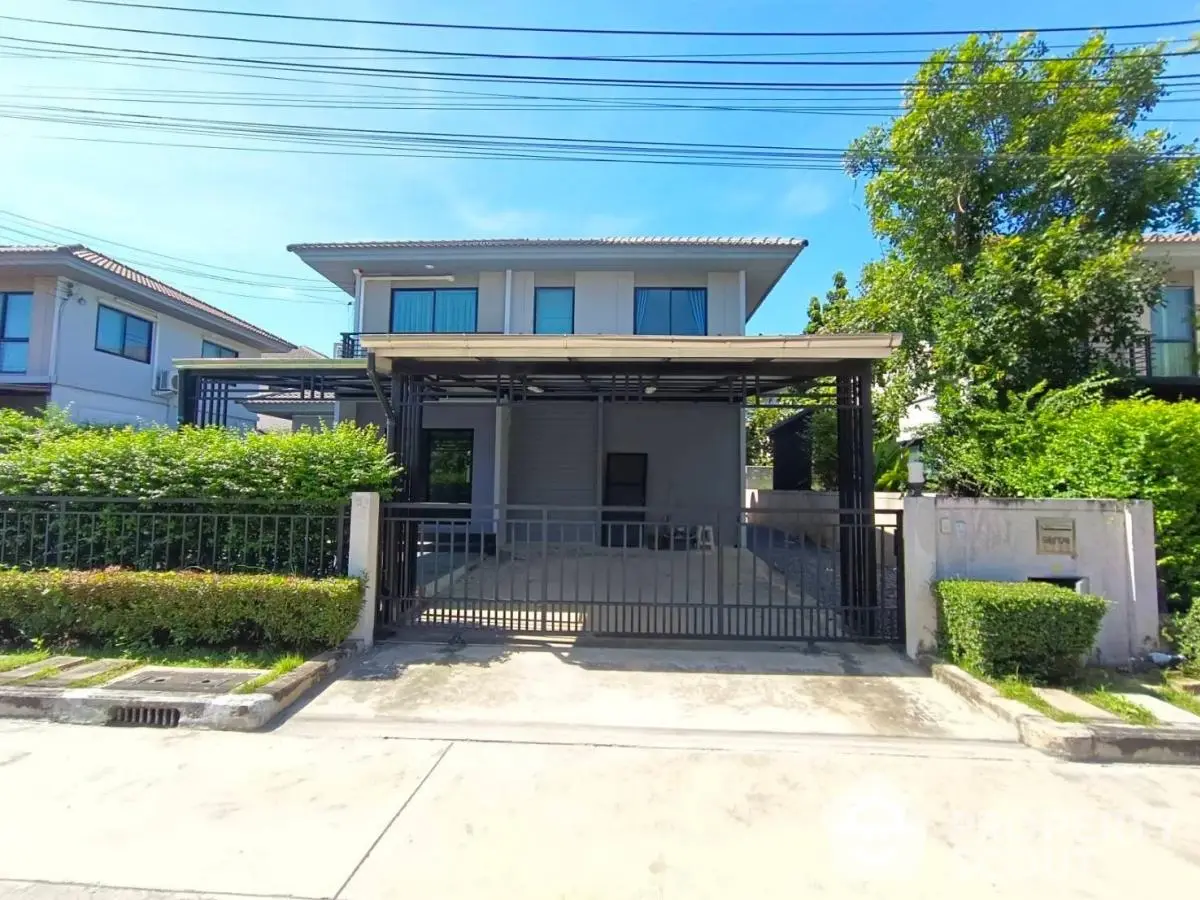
column 637, row 31
column 674, row 84
column 499, row 146
column 438, row 54
column 42, row 235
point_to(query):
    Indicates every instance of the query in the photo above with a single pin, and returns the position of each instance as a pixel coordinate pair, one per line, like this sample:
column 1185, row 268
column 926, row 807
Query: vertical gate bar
column 545, row 567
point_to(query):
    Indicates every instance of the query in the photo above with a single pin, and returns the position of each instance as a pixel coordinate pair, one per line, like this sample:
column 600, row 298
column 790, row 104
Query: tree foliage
column 1012, row 195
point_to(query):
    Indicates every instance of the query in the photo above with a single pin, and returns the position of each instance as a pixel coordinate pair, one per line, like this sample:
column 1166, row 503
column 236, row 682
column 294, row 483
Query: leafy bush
column 140, row 611
column 316, row 466
column 1188, row 637
column 1073, row 444
column 1035, row 630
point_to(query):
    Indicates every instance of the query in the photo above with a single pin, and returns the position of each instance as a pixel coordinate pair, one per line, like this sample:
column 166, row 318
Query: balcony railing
column 349, row 347
column 1148, row 358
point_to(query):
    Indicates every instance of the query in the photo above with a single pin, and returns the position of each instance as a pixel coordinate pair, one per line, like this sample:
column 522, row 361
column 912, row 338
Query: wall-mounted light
column 649, row 389
column 534, row 388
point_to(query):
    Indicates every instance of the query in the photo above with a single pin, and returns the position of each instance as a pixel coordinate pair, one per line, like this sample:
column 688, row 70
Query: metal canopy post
column 856, row 488
column 404, row 442
column 189, row 384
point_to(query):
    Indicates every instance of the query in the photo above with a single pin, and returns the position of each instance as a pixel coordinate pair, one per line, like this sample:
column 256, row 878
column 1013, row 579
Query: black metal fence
column 822, row 574
column 218, row 535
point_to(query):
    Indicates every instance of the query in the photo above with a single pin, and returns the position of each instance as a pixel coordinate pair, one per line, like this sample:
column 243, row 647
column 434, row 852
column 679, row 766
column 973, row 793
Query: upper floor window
column 424, row 311
column 123, row 334
column 15, row 315
column 670, row 311
column 1172, row 326
column 554, row 310
column 209, row 350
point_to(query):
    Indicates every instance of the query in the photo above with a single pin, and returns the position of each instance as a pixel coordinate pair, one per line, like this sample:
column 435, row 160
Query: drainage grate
column 151, row 716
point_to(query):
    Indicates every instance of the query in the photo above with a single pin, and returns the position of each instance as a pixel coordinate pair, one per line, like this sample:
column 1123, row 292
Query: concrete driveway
column 666, row 693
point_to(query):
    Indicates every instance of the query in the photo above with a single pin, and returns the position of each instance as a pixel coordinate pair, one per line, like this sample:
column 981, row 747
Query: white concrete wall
column 603, row 299
column 996, row 540
column 105, row 388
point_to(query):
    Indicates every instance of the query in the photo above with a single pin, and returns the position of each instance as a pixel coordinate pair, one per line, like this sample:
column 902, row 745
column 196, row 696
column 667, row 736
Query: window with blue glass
column 1173, row 330
column 670, row 311
column 554, row 310
column 443, row 311
column 122, row 334
column 15, row 316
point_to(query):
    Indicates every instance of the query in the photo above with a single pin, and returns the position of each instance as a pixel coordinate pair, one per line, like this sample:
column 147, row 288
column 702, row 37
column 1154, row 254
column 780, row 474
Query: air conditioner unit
column 166, row 381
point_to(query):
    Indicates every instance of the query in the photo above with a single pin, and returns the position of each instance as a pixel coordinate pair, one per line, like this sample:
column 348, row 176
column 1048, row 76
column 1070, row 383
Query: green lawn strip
column 1131, row 712
column 104, row 677
column 1177, row 697
column 44, row 672
column 10, row 661
column 1013, row 688
column 281, row 667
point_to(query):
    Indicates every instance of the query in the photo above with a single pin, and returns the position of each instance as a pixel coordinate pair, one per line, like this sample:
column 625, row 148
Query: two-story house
column 87, row 333
column 567, row 411
column 1166, row 358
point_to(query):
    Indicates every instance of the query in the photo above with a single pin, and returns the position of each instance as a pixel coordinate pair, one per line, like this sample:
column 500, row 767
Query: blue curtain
column 698, row 301
column 554, row 311
column 454, row 311
column 412, row 312
column 641, row 305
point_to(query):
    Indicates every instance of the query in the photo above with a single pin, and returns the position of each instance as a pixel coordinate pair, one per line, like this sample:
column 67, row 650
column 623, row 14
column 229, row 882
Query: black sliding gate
column 821, row 573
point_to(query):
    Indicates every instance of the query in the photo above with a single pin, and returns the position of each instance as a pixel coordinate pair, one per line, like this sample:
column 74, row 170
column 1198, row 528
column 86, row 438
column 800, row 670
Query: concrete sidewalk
column 144, row 815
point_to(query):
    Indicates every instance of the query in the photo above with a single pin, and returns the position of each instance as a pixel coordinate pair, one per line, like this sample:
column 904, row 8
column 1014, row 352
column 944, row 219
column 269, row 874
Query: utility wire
column 12, row 232
column 637, row 31
column 674, row 84
column 576, row 58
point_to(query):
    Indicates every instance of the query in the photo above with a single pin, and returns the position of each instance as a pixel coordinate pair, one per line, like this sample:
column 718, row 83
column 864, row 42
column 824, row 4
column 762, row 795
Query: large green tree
column 1012, row 194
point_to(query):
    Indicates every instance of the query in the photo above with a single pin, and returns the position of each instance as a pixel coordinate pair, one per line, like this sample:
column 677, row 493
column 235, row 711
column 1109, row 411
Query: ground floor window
column 449, row 464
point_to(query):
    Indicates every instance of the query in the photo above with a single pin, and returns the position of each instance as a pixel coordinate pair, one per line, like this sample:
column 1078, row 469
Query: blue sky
column 240, row 209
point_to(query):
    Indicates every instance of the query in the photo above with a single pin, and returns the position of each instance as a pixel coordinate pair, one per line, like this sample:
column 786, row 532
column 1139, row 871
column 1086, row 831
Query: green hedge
column 47, row 456
column 1188, row 637
column 139, row 611
column 1035, row 630
column 1073, row 444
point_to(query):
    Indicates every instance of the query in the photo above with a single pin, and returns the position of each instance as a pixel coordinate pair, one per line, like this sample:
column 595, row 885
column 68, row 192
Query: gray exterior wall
column 556, row 456
column 603, row 299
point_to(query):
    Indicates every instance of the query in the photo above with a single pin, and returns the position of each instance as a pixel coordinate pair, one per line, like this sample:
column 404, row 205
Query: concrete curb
column 1077, row 741
column 219, row 712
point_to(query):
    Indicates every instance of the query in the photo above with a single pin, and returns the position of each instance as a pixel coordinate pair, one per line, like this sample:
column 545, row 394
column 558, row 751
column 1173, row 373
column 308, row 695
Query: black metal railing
column 744, row 573
column 217, row 535
column 349, row 347
column 1147, row 357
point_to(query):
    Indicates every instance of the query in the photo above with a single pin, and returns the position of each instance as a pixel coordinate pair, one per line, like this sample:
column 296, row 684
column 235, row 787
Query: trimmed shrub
column 47, row 459
column 1035, row 630
column 146, row 610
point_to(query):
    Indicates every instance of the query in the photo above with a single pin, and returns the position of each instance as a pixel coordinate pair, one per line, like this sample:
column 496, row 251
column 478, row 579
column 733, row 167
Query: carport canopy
column 544, row 367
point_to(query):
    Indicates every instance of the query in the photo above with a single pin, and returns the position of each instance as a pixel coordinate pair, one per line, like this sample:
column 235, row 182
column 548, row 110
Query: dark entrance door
column 449, row 468
column 624, row 486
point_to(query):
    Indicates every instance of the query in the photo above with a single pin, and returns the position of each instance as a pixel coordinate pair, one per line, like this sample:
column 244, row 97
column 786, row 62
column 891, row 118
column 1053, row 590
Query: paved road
column 325, row 808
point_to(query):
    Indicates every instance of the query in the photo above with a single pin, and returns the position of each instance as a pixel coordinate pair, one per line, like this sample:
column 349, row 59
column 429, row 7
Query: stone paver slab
column 1067, row 702
column 51, row 662
column 75, row 673
column 1163, row 711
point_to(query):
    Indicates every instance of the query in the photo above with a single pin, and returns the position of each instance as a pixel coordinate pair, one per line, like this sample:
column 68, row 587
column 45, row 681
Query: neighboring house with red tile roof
column 86, row 332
